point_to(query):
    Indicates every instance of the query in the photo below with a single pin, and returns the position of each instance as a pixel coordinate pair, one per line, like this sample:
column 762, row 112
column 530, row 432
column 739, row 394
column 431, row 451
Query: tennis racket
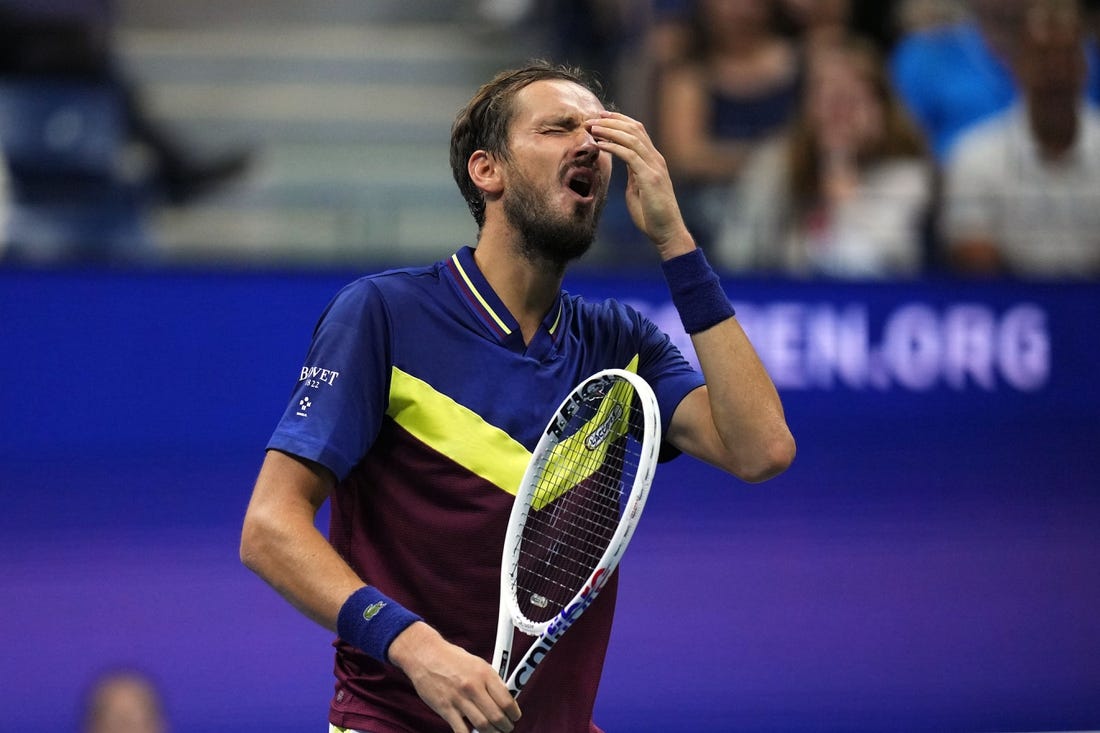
column 575, row 512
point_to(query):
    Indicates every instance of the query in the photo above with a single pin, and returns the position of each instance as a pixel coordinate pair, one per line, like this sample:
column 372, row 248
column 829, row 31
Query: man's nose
column 587, row 147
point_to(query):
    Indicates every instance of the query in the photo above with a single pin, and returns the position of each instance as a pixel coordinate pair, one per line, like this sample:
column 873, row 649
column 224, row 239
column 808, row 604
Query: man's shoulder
column 395, row 280
column 611, row 320
column 600, row 310
column 380, row 291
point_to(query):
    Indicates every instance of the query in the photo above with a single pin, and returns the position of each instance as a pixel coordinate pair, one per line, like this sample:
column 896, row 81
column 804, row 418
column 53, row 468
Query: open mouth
column 580, row 182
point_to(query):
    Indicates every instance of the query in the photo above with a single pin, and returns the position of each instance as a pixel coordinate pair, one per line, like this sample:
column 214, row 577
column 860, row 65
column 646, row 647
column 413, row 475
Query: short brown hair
column 483, row 123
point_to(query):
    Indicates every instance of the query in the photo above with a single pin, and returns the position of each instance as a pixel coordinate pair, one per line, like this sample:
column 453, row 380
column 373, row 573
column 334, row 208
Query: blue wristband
column 370, row 621
column 696, row 291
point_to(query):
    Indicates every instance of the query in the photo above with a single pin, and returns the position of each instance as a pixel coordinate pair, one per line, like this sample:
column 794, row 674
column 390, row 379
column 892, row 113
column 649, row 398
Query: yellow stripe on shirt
column 456, row 431
column 470, row 285
column 462, row 435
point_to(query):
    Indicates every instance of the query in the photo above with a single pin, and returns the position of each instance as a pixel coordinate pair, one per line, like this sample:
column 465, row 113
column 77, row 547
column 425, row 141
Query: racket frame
column 510, row 617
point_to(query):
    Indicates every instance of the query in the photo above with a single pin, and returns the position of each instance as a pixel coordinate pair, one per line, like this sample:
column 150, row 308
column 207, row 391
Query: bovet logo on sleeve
column 315, row 376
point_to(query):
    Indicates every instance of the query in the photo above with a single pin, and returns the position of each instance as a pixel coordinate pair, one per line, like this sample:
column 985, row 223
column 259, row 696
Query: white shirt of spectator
column 1043, row 216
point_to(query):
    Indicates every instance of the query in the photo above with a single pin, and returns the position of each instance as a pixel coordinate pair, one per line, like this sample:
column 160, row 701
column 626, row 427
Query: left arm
column 736, row 421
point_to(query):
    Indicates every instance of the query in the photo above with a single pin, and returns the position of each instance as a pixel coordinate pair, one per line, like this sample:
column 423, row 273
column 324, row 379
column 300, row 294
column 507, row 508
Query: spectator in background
column 914, row 16
column 1022, row 190
column 738, row 86
column 845, row 192
column 954, row 76
column 94, row 160
column 818, row 23
column 123, row 701
column 606, row 36
column 670, row 34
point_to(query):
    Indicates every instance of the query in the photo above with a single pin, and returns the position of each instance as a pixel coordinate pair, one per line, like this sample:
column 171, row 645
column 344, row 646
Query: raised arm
column 736, row 421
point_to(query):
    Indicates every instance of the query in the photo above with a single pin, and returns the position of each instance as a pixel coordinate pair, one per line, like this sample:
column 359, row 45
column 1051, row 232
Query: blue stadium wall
column 930, row 563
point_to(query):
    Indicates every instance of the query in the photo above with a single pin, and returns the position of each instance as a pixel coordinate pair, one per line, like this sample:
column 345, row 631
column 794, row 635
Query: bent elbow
column 771, row 460
column 247, row 550
column 252, row 542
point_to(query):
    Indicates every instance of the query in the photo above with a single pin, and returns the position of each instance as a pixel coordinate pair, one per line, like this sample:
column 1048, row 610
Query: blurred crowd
column 807, row 138
column 849, row 139
column 82, row 160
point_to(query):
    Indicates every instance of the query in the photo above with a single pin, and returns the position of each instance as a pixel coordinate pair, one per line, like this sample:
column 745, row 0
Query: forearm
column 740, row 425
column 744, row 404
column 281, row 544
column 301, row 565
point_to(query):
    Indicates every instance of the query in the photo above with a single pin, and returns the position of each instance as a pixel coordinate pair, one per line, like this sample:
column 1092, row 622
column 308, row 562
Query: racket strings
column 564, row 538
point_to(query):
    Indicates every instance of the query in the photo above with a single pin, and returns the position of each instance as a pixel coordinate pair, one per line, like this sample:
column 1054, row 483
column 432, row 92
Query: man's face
column 556, row 177
column 1052, row 71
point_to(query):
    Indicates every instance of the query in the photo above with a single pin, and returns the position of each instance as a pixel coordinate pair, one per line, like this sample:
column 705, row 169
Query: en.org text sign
column 910, row 345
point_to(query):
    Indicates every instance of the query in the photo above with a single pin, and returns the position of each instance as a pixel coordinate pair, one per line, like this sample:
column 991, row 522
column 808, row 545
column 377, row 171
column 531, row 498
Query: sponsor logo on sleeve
column 315, row 376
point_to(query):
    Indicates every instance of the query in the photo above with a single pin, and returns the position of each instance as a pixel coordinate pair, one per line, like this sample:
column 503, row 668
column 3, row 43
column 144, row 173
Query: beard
column 548, row 235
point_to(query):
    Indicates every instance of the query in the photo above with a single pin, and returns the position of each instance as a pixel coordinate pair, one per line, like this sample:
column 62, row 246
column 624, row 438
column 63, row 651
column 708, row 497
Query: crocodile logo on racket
column 599, row 435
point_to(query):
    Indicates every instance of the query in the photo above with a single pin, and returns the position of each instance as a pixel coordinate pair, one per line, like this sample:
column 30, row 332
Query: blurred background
column 903, row 199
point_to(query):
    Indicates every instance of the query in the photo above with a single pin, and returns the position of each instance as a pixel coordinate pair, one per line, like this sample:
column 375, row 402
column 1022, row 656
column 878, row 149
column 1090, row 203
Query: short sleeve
column 663, row 365
column 337, row 404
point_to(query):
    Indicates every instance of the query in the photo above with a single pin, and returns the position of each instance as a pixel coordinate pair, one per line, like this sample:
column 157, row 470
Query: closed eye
column 560, row 126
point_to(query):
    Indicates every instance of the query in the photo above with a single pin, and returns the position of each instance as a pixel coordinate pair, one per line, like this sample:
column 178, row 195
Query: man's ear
column 485, row 171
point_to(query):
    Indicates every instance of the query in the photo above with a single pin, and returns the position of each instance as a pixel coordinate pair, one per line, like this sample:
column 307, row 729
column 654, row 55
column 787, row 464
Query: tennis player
column 425, row 389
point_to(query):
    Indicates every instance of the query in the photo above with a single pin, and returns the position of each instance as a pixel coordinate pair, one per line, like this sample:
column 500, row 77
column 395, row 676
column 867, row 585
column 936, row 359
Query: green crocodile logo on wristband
column 372, row 610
